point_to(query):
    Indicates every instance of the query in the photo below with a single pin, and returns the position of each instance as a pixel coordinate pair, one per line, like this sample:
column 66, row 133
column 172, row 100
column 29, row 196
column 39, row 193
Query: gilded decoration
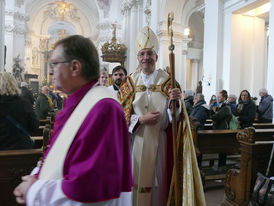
column 112, row 51
column 248, row 135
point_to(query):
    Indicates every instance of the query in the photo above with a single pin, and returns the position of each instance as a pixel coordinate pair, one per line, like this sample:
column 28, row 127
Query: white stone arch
column 182, row 14
column 83, row 21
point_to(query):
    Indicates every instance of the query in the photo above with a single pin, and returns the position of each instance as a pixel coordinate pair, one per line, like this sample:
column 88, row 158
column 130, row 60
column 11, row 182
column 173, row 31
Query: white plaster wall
column 247, row 57
column 2, row 32
column 270, row 69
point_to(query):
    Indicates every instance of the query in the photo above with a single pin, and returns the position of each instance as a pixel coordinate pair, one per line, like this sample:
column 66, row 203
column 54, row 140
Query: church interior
column 219, row 45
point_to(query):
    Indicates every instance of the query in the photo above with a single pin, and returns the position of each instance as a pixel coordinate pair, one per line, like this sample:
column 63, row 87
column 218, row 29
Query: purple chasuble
column 98, row 164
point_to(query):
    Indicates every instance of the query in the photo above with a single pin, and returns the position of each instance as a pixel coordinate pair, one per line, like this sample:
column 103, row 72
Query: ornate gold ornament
column 112, row 51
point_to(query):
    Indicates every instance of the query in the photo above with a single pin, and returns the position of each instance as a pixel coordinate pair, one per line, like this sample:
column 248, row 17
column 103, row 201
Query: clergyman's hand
column 174, row 94
column 149, row 118
column 20, row 191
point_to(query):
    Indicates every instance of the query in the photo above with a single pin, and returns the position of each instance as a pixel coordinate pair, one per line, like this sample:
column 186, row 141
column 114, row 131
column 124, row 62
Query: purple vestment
column 98, row 164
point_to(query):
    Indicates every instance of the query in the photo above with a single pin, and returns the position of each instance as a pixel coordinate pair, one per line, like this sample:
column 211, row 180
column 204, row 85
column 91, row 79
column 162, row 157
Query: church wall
column 270, row 69
column 247, row 54
column 2, row 33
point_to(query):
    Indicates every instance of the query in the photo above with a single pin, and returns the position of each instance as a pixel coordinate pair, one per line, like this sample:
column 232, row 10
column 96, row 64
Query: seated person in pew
column 265, row 108
column 200, row 111
column 221, row 118
column 88, row 161
column 17, row 118
column 246, row 110
column 232, row 98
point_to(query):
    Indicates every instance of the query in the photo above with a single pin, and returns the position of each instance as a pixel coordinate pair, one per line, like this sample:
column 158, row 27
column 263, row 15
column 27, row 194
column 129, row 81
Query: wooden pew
column 225, row 141
column 239, row 183
column 43, row 137
column 255, row 125
column 14, row 164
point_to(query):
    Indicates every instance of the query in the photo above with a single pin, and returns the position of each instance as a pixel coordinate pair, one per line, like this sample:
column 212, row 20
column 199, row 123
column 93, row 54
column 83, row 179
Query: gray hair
column 263, row 90
column 189, row 93
column 8, row 85
column 199, row 97
column 232, row 96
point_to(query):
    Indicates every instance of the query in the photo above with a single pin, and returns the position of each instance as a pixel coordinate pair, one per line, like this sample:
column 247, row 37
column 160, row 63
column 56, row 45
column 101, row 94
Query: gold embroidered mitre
column 146, row 39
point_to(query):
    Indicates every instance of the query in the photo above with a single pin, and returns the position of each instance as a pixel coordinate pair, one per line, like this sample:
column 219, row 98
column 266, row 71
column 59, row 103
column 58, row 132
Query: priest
column 88, row 160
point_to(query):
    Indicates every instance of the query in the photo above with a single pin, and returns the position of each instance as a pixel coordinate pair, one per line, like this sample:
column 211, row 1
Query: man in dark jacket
column 221, row 118
column 265, row 108
column 26, row 93
column 42, row 106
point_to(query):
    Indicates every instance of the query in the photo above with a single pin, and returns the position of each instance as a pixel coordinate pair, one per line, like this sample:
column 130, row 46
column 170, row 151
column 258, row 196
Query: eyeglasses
column 54, row 64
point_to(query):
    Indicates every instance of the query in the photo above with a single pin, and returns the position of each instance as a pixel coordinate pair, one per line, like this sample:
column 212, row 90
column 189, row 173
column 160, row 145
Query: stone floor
column 214, row 196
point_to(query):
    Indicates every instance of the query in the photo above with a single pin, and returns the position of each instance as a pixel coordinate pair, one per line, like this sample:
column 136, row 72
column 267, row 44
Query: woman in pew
column 17, row 118
column 246, row 110
column 221, row 118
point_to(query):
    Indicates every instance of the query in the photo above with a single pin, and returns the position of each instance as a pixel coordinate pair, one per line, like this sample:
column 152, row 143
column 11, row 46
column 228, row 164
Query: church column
column 212, row 47
column 133, row 31
column 179, row 51
column 194, row 73
column 183, row 69
column 270, row 69
column 2, row 33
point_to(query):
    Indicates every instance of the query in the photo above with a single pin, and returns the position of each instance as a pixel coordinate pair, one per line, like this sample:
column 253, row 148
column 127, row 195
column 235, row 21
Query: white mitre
column 146, row 39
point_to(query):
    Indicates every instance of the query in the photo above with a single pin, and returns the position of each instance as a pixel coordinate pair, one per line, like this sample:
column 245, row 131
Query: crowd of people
column 223, row 107
column 110, row 144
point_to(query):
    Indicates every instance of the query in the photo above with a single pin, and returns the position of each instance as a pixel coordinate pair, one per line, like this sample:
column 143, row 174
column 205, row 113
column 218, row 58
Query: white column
column 194, row 73
column 270, row 69
column 133, row 31
column 212, row 47
column 183, row 69
column 2, row 33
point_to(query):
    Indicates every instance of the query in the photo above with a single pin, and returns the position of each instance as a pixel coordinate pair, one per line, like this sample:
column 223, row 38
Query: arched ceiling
column 87, row 9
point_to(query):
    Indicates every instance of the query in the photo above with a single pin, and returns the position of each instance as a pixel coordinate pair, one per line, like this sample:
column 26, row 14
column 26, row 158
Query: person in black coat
column 200, row 111
column 232, row 103
column 246, row 110
column 17, row 118
column 221, row 118
column 26, row 93
column 188, row 99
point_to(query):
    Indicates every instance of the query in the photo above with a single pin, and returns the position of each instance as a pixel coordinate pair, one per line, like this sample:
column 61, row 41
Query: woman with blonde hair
column 17, row 118
column 103, row 79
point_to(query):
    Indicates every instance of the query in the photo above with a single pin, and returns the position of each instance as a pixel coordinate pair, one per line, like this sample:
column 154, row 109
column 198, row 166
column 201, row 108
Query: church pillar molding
column 133, row 27
column 180, row 51
column 15, row 32
column 2, row 33
column 194, row 73
column 270, row 68
column 212, row 53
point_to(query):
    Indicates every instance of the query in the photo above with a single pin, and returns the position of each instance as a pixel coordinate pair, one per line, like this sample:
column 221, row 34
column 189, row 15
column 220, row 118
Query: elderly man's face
column 147, row 59
column 60, row 68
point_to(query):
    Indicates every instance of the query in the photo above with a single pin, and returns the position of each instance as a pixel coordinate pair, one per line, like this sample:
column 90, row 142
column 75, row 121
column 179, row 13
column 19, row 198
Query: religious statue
column 17, row 70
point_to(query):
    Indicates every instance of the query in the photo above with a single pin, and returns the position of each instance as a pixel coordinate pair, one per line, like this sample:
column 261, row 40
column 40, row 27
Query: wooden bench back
column 13, row 165
column 254, row 158
column 225, row 141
